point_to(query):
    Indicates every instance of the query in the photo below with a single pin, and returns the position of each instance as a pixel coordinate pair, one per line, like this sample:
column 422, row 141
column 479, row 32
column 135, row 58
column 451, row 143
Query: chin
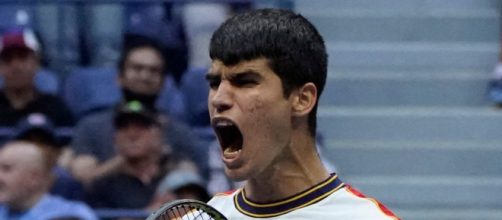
column 237, row 174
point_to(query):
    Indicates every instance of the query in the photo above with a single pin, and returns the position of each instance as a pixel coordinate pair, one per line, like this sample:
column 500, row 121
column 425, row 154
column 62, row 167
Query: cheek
column 16, row 180
column 32, row 67
column 130, row 78
column 267, row 110
column 157, row 85
column 257, row 105
column 269, row 119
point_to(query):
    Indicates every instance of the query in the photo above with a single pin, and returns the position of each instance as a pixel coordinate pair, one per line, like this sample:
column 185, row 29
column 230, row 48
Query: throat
column 283, row 185
column 19, row 98
column 295, row 171
column 144, row 170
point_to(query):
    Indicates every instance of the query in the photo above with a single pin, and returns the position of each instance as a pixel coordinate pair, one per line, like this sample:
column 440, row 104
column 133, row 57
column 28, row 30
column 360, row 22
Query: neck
column 144, row 169
column 298, row 169
column 27, row 203
column 20, row 97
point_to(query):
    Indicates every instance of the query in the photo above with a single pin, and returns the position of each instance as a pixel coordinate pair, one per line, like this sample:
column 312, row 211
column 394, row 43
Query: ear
column 304, row 99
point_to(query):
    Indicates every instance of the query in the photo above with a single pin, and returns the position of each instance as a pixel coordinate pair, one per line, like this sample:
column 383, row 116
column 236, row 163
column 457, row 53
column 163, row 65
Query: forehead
column 16, row 52
column 135, row 123
column 259, row 65
column 145, row 55
column 20, row 155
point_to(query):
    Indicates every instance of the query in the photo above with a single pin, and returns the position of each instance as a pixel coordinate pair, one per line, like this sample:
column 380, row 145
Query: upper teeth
column 224, row 123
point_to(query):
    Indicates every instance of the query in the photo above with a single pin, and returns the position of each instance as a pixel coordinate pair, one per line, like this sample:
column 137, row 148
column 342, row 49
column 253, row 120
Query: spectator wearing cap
column 144, row 160
column 38, row 129
column 141, row 78
column 183, row 184
column 25, row 178
column 19, row 62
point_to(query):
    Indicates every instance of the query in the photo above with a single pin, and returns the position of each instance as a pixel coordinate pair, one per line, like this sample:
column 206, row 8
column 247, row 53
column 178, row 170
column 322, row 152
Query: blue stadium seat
column 171, row 100
column 15, row 14
column 196, row 90
column 45, row 81
column 89, row 89
column 153, row 20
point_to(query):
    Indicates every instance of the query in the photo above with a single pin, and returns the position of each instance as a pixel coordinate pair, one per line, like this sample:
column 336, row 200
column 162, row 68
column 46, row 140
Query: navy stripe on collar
column 310, row 196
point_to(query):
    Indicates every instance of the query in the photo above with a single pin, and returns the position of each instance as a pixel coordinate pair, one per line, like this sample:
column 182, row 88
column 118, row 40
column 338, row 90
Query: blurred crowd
column 103, row 107
column 495, row 85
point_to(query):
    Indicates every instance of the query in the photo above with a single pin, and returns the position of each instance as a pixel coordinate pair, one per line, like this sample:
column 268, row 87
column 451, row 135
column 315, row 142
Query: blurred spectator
column 183, row 184
column 38, row 129
column 160, row 21
column 141, row 77
column 142, row 160
column 495, row 86
column 19, row 62
column 25, row 178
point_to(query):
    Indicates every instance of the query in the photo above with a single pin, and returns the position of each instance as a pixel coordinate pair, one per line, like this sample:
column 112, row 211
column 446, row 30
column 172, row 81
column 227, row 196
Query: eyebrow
column 213, row 76
column 243, row 74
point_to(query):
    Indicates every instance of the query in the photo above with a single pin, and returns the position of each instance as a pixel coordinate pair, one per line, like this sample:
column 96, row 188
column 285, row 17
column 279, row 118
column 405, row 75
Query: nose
column 144, row 74
column 221, row 97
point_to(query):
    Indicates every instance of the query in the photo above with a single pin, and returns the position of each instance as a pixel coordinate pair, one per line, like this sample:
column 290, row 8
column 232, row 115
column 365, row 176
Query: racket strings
column 185, row 212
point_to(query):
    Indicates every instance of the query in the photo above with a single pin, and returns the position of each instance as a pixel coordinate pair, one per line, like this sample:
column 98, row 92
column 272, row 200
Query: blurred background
column 410, row 114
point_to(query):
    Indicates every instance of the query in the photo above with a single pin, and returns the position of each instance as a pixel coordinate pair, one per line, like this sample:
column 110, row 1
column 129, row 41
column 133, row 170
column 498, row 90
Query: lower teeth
column 231, row 150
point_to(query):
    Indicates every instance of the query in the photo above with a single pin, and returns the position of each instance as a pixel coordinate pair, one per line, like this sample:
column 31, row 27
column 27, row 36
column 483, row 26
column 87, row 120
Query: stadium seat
column 89, row 89
column 15, row 14
column 195, row 89
column 171, row 100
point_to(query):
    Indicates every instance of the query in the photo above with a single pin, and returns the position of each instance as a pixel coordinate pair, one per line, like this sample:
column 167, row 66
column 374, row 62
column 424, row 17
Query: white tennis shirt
column 330, row 199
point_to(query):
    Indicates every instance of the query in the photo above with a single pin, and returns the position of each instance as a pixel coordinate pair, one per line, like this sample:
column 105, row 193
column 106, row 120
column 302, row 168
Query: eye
column 244, row 82
column 214, row 83
column 135, row 67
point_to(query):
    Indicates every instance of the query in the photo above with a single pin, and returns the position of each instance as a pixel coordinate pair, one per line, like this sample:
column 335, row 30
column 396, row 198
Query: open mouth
column 228, row 134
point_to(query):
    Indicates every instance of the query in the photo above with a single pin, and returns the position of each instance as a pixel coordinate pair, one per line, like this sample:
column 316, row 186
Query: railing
column 121, row 213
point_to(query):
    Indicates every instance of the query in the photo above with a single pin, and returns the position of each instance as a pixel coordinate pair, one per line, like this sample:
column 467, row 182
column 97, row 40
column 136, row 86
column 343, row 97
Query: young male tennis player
column 268, row 70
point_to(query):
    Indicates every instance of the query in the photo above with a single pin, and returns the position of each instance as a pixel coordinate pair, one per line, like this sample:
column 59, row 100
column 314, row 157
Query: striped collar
column 310, row 196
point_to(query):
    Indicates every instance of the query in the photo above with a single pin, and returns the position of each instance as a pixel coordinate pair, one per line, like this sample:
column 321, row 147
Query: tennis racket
column 186, row 209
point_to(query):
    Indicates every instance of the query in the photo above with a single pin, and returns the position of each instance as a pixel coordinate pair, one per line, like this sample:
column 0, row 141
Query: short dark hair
column 292, row 45
column 138, row 43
